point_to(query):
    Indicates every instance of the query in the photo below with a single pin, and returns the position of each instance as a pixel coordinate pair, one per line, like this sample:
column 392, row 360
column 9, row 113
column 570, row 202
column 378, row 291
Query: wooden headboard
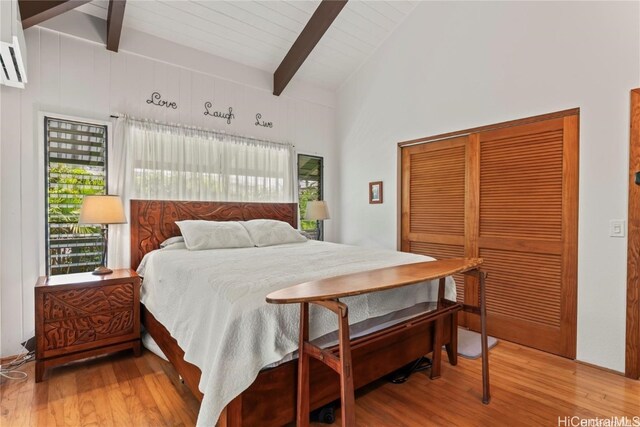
column 154, row 221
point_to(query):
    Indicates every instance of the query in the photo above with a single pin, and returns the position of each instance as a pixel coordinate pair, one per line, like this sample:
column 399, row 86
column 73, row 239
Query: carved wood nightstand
column 83, row 315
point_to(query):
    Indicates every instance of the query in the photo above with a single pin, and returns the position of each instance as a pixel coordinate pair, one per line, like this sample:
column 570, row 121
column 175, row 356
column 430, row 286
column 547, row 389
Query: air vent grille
column 13, row 72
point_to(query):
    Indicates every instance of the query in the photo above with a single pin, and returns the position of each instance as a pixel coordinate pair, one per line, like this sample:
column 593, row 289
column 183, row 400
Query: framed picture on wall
column 375, row 192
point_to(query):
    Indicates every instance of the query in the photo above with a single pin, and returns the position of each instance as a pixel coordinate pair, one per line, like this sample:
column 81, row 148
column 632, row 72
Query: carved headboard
column 154, row 221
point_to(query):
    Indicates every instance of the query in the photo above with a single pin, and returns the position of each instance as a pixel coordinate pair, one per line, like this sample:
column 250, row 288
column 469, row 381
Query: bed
column 180, row 325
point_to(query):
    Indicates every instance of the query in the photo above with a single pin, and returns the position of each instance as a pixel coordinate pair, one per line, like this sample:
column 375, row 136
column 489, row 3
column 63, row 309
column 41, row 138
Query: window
column 309, row 189
column 76, row 165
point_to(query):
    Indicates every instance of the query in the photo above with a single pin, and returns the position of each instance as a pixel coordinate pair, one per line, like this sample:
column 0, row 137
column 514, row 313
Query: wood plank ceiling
column 260, row 33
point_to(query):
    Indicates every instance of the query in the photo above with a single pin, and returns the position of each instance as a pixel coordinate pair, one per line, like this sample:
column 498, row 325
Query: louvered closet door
column 433, row 200
column 508, row 195
column 527, row 232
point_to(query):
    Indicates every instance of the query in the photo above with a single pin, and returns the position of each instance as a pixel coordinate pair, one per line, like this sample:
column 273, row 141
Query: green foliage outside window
column 309, row 188
column 72, row 248
column 67, row 188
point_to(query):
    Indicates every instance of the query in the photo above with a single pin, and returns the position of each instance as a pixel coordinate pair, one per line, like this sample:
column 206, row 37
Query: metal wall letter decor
column 156, row 99
column 262, row 123
column 219, row 114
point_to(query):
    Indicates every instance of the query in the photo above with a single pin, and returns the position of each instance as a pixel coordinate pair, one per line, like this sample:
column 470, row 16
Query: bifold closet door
column 433, row 200
column 527, row 232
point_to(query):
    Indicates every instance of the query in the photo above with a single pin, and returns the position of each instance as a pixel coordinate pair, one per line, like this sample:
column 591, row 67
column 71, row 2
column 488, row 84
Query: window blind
column 76, row 160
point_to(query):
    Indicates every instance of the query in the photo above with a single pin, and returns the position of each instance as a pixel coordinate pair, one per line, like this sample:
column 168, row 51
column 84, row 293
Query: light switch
column 617, row 228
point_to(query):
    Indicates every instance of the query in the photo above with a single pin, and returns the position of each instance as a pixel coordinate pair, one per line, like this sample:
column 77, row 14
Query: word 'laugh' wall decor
column 219, row 114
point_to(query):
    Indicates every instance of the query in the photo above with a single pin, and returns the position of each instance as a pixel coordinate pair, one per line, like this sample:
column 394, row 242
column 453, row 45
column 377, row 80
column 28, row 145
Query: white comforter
column 213, row 303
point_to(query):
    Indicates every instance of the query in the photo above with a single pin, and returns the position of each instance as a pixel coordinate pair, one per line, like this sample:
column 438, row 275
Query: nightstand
column 84, row 315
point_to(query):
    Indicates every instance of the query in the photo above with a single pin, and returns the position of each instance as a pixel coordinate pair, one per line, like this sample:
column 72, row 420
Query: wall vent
column 13, row 70
column 13, row 49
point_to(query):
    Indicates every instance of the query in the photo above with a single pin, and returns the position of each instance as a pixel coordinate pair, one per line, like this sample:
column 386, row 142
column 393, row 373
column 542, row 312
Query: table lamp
column 103, row 210
column 317, row 210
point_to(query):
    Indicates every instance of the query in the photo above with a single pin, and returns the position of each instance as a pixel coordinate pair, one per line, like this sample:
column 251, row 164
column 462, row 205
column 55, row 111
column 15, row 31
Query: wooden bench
column 327, row 292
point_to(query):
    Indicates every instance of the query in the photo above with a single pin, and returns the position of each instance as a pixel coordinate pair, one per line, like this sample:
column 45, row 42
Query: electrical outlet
column 617, row 228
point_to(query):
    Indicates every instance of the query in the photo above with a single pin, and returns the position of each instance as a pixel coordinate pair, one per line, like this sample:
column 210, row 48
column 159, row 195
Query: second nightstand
column 83, row 315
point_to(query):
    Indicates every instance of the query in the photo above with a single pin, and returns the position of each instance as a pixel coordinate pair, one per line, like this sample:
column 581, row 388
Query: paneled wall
column 72, row 76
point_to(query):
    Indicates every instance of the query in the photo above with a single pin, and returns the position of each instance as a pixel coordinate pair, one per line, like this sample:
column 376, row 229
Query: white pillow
column 269, row 232
column 175, row 246
column 199, row 234
column 171, row 241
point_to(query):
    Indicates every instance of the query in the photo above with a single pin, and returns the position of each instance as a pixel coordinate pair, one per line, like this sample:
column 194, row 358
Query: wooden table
column 326, row 293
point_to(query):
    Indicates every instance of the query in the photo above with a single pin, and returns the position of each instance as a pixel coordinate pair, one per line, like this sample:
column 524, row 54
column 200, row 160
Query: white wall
column 456, row 65
column 72, row 76
column 2, row 19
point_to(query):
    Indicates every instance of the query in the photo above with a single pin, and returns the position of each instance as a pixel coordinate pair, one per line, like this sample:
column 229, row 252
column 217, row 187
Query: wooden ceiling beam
column 34, row 12
column 319, row 23
column 114, row 23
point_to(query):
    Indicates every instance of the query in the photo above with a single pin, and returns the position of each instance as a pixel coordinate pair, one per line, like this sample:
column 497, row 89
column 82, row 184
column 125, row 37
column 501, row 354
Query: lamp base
column 102, row 270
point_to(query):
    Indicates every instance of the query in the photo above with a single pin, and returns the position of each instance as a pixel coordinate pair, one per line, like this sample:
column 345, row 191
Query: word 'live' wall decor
column 228, row 116
column 260, row 122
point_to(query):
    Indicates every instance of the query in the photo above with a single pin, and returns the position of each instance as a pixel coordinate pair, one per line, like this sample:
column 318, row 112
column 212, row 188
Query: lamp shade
column 317, row 210
column 102, row 210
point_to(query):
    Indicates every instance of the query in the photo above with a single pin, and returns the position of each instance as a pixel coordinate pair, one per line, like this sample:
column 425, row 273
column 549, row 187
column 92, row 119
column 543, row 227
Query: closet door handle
column 637, row 178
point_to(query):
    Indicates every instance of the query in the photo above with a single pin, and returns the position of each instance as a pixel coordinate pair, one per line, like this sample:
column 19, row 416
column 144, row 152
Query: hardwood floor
column 529, row 387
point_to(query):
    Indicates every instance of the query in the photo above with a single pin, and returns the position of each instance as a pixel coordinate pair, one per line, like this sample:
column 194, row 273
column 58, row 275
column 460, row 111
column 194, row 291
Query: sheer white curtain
column 118, row 183
column 179, row 163
column 150, row 160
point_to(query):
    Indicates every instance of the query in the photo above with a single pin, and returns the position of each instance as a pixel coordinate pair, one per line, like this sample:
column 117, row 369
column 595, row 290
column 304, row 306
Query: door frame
column 632, row 347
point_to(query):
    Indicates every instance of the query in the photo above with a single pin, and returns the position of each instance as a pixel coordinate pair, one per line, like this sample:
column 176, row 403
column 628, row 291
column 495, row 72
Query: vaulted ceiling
column 260, row 33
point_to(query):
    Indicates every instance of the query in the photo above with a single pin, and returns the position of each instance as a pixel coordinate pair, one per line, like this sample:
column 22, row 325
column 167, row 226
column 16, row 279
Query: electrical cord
column 11, row 370
column 403, row 374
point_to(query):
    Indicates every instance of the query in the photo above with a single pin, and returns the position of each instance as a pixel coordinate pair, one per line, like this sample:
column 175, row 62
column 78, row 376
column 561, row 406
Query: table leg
column 347, row 397
column 452, row 347
column 436, row 360
column 137, row 349
column 486, row 395
column 39, row 371
column 441, row 285
column 302, row 413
